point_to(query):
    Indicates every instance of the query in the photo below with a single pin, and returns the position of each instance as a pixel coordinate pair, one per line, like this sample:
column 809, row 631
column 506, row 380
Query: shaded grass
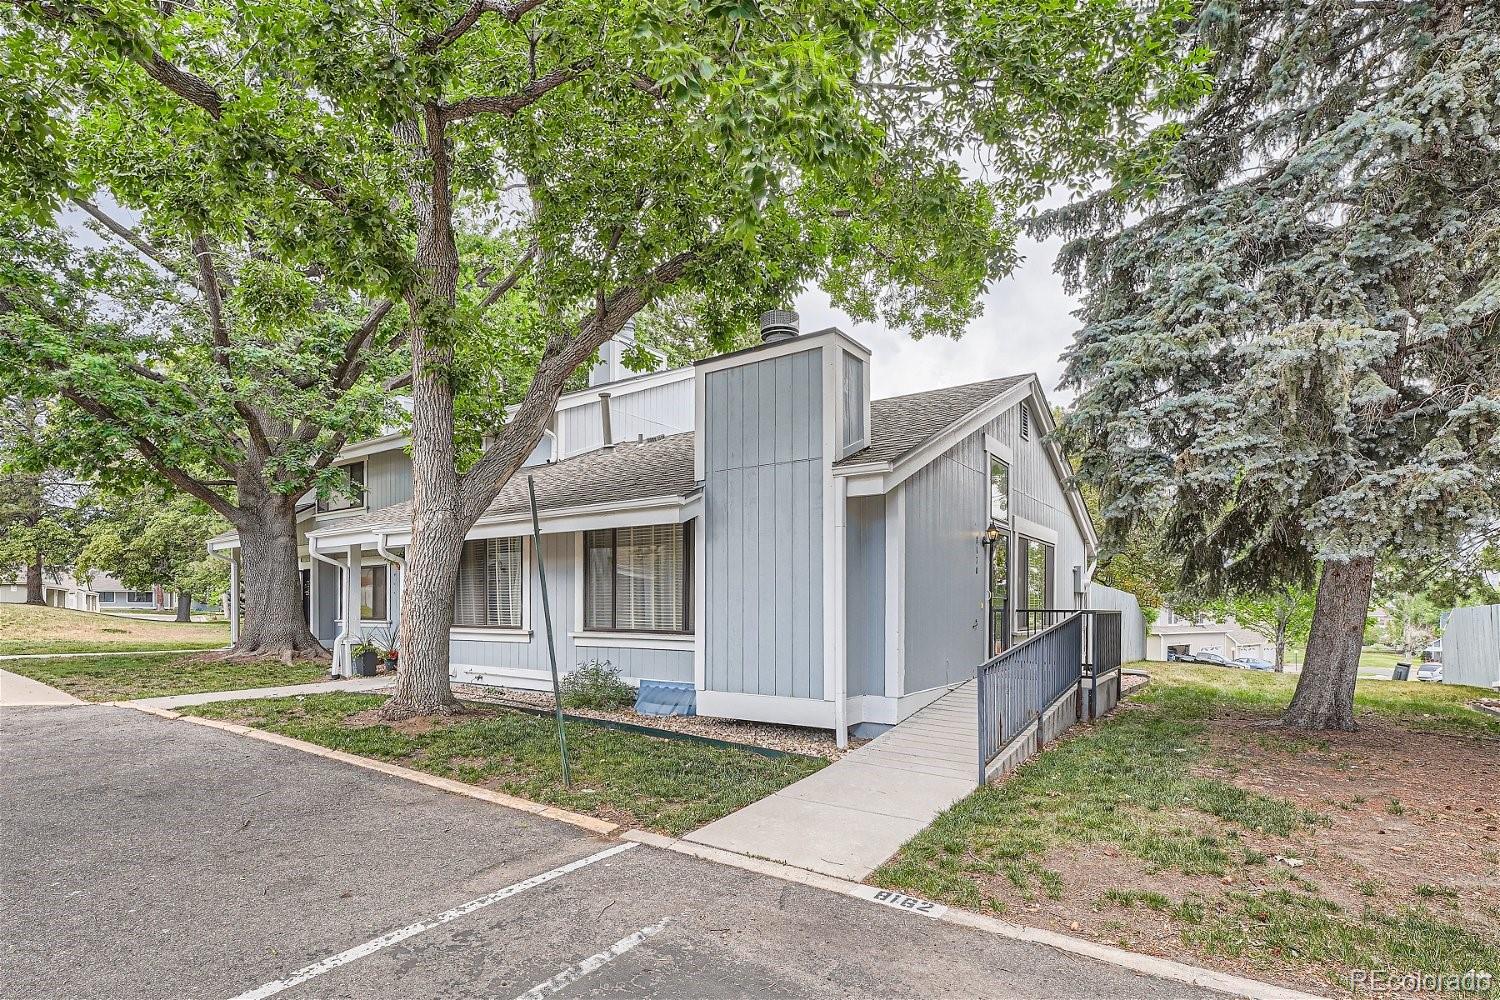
column 670, row 786
column 1129, row 784
column 121, row 678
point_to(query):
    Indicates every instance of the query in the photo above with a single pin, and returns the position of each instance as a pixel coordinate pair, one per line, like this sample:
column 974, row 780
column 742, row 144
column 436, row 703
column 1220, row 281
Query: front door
column 999, row 630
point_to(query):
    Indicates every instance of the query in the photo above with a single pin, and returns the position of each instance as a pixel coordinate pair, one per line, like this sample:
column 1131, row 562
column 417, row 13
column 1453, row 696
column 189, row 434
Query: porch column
column 351, row 608
column 234, row 597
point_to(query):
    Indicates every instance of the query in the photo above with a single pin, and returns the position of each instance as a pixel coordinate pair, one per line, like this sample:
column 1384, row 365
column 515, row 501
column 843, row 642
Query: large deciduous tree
column 211, row 367
column 1289, row 359
column 42, row 512
column 719, row 151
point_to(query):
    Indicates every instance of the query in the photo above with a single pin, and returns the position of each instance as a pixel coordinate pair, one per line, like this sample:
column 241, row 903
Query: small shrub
column 598, row 686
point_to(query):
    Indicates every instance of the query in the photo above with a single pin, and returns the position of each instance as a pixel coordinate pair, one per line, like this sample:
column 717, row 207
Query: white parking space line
column 394, row 937
column 573, row 973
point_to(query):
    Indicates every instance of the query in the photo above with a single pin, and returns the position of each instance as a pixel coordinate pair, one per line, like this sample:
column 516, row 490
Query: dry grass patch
column 27, row 629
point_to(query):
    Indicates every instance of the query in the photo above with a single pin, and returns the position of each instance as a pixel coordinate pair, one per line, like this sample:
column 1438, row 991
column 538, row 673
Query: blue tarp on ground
column 666, row 698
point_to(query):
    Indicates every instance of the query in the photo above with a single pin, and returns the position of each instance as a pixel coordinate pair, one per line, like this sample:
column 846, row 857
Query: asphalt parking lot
column 147, row 858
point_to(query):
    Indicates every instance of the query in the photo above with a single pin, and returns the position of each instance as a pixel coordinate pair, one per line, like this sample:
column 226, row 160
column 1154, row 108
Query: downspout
column 341, row 641
column 234, row 596
column 381, row 549
column 841, row 612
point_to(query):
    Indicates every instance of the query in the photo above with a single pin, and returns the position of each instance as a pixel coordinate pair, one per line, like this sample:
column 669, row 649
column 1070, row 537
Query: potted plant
column 365, row 654
column 385, row 642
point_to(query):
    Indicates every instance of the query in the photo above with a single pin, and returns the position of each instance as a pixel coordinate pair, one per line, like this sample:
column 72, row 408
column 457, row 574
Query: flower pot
column 364, row 665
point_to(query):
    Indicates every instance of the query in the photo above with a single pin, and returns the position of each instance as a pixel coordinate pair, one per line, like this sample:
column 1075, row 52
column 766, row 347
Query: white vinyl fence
column 1471, row 646
column 1132, row 621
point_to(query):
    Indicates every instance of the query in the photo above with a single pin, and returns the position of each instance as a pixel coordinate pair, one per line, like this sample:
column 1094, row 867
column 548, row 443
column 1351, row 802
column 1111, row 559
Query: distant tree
column 1289, row 362
column 41, row 513
column 156, row 538
column 1283, row 616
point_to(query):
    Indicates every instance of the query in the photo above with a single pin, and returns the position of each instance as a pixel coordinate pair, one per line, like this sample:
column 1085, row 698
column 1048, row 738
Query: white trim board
column 811, row 712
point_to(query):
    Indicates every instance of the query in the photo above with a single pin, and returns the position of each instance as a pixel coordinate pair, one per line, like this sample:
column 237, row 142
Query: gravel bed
column 792, row 739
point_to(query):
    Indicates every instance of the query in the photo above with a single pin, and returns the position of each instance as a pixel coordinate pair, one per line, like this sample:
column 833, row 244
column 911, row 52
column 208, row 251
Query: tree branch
column 501, row 287
column 508, row 12
column 132, row 237
column 511, row 104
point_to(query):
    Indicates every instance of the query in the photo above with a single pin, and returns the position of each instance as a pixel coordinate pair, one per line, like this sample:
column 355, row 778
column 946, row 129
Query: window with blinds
column 489, row 583
column 638, row 579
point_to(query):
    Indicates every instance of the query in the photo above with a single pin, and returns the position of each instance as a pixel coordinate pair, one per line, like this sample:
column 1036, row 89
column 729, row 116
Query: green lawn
column 28, row 629
column 1147, row 791
column 121, row 678
column 670, row 786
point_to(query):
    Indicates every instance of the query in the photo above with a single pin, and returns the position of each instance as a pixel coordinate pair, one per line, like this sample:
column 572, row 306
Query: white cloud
column 1025, row 327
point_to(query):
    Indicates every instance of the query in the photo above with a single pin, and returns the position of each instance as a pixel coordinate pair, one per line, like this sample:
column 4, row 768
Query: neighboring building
column 59, row 590
column 1471, row 646
column 753, row 528
column 113, row 596
column 1173, row 633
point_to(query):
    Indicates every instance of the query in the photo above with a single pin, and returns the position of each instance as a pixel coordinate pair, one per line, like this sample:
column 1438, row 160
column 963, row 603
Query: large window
column 139, row 596
column 999, row 491
column 638, row 579
column 374, row 593
column 1035, row 577
column 337, row 500
column 489, row 583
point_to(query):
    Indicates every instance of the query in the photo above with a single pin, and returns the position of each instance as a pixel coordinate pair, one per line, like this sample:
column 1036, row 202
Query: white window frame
column 662, row 637
column 503, row 633
column 320, row 505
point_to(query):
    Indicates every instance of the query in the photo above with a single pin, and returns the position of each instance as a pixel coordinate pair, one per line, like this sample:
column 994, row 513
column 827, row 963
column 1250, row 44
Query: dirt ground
column 1408, row 820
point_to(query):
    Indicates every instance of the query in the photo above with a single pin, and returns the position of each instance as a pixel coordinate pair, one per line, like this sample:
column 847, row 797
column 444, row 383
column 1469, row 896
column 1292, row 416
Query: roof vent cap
column 777, row 325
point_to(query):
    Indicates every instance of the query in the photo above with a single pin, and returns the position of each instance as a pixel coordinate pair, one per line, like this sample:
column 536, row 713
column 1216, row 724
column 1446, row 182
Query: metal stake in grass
column 541, row 569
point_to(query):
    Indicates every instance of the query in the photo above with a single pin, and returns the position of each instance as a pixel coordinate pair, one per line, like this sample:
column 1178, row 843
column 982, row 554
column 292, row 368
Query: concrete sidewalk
column 350, row 685
column 17, row 690
column 848, row 818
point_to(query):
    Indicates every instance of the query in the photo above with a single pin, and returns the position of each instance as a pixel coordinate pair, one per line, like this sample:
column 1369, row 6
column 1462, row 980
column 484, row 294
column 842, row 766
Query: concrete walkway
column 847, row 819
column 108, row 652
column 17, row 690
column 349, row 685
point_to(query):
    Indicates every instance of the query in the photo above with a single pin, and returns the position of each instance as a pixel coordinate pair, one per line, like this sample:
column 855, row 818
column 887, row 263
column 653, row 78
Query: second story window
column 999, row 491
column 354, row 473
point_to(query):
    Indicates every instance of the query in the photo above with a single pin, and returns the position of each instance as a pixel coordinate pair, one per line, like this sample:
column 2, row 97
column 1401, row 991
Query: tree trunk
column 1325, row 691
column 1281, row 651
column 430, row 581
column 273, row 624
column 35, row 591
column 184, row 606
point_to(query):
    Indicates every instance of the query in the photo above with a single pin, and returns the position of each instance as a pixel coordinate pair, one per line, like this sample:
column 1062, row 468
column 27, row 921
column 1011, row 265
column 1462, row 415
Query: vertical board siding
column 1471, row 646
column 946, row 575
column 1132, row 620
column 387, row 478
column 763, row 501
column 561, row 554
column 865, row 554
column 661, row 409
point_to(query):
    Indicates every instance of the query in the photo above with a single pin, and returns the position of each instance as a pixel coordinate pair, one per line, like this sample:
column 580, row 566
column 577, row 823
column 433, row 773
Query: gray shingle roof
column 664, row 467
column 628, row 471
column 901, row 424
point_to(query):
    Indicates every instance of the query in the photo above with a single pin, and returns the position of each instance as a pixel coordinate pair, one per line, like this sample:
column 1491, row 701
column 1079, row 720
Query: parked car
column 1214, row 658
column 1251, row 663
column 1430, row 671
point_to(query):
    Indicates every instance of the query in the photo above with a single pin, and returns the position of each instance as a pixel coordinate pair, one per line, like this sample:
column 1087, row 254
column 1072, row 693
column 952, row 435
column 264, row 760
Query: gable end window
column 336, row 500
column 638, row 579
column 999, row 491
column 489, row 584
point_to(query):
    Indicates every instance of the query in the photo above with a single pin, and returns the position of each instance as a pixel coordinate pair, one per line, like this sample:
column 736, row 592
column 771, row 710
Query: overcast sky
column 1027, row 323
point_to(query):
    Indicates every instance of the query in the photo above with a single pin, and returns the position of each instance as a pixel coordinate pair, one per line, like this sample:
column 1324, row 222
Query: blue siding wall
column 662, row 409
column 946, row 579
column 864, row 540
column 387, row 479
column 561, row 553
column 763, row 495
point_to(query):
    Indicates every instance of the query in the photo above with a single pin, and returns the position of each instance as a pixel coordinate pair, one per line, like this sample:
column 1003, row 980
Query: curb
column 590, row 823
column 1146, row 965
